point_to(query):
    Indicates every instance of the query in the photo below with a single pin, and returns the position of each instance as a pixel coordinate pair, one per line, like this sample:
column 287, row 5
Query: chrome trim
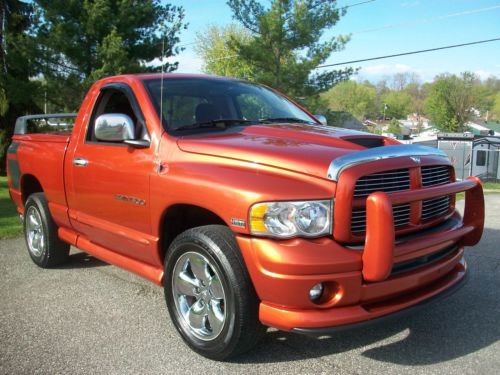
column 379, row 153
column 322, row 119
column 80, row 162
column 114, row 127
column 34, row 232
column 124, row 198
column 199, row 296
column 21, row 126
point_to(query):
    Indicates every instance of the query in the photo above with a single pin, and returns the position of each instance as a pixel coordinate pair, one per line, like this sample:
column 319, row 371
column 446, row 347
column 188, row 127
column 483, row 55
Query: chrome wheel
column 34, row 232
column 199, row 295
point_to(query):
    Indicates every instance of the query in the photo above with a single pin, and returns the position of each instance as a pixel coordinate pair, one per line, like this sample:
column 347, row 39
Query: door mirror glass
column 321, row 119
column 114, row 127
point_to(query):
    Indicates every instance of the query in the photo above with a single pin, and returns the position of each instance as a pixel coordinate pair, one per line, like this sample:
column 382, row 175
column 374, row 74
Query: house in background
column 472, row 155
column 480, row 127
column 493, row 125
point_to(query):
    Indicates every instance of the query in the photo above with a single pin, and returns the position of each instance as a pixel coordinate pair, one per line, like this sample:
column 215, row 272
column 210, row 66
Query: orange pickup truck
column 243, row 206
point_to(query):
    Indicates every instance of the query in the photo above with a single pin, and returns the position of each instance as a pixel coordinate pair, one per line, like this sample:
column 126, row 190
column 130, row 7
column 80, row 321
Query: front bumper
column 360, row 284
column 386, row 318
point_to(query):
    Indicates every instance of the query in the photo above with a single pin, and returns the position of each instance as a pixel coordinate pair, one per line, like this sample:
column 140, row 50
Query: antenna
column 157, row 151
column 161, row 80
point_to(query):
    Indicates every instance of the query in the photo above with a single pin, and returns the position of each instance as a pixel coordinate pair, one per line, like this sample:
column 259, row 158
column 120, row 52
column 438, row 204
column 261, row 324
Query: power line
column 409, row 53
column 427, row 20
column 186, row 44
column 356, row 4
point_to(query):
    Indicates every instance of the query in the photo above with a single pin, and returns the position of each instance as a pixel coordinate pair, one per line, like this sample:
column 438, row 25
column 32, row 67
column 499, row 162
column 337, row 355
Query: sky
column 383, row 27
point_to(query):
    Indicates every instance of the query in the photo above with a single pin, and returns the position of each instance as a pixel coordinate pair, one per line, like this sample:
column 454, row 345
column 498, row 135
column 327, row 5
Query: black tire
column 241, row 329
column 52, row 251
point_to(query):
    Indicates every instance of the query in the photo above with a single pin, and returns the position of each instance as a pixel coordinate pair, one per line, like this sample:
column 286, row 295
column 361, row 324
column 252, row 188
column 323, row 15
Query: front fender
column 229, row 187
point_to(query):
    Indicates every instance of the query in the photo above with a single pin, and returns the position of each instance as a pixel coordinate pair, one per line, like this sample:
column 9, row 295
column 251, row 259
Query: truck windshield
column 211, row 103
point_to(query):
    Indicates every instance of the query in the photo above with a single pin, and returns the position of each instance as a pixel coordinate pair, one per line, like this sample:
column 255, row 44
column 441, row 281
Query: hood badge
column 416, row 159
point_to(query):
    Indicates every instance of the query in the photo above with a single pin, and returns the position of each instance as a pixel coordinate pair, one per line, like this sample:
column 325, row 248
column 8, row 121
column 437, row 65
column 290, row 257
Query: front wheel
column 209, row 295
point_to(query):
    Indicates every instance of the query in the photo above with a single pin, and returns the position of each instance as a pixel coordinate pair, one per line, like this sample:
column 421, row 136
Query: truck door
column 108, row 185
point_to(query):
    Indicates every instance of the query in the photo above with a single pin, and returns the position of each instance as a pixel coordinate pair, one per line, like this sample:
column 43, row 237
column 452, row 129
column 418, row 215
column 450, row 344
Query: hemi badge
column 238, row 223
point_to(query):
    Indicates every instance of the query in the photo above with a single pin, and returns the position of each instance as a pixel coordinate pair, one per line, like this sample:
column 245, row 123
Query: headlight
column 291, row 219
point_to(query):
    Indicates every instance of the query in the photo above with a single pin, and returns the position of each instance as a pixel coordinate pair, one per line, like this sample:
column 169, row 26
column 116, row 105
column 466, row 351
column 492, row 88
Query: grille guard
column 378, row 254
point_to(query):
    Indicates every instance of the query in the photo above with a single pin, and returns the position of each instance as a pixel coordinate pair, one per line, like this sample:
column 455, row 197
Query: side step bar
column 149, row 272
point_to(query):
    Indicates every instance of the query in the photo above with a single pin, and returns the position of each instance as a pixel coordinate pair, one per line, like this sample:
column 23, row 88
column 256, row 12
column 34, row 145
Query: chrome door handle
column 80, row 162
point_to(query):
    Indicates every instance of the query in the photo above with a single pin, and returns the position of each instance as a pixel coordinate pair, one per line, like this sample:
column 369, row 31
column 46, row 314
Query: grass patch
column 491, row 185
column 10, row 226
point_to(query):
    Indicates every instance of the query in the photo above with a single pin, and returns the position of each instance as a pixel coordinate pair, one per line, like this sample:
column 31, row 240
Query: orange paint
column 226, row 173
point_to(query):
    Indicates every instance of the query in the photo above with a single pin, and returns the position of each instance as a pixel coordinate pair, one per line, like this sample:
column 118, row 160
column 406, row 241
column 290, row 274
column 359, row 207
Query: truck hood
column 307, row 149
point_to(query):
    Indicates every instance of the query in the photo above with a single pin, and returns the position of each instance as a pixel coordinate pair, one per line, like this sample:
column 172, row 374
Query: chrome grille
column 435, row 175
column 401, row 217
column 432, row 208
column 388, row 181
column 397, row 180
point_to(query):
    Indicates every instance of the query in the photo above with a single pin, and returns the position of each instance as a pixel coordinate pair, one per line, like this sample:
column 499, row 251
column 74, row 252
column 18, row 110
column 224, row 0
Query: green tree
column 417, row 93
column 219, row 56
column 398, row 103
column 83, row 40
column 451, row 100
column 287, row 45
column 350, row 96
column 493, row 84
column 394, row 127
column 495, row 111
column 400, row 81
column 483, row 97
column 17, row 53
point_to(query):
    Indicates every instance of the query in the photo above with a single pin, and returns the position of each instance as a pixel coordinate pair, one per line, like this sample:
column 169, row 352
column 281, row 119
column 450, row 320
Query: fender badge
column 124, row 198
column 238, row 223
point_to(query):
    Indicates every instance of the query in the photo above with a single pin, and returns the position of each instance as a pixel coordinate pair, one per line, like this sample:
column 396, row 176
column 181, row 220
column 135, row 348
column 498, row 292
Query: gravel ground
column 90, row 317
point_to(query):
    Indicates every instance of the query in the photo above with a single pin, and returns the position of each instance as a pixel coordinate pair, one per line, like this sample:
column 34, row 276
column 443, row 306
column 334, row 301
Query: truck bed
column 41, row 155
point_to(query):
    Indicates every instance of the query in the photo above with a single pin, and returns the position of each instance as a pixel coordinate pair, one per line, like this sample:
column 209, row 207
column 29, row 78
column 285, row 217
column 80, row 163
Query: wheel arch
column 29, row 185
column 181, row 217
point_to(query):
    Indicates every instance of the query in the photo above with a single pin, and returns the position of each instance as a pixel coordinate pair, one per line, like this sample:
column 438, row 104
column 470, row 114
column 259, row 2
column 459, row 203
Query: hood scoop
column 366, row 141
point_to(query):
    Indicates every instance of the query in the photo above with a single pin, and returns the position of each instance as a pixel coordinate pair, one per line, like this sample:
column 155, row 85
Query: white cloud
column 188, row 62
column 484, row 74
column 377, row 72
column 382, row 69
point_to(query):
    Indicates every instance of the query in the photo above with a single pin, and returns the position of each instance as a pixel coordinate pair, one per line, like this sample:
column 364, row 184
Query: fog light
column 316, row 292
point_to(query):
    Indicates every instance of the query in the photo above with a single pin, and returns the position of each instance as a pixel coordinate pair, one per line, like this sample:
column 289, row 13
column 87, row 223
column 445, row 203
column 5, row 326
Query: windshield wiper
column 285, row 119
column 220, row 123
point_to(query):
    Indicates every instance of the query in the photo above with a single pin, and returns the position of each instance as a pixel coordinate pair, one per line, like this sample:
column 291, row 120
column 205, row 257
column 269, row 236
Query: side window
column 481, row 158
column 252, row 107
column 111, row 101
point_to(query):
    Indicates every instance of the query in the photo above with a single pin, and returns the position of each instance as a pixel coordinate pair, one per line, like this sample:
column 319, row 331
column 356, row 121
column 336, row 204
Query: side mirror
column 321, row 119
column 114, row 127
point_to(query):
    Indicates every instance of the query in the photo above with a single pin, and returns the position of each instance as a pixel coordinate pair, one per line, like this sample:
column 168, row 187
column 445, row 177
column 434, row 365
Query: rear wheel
column 40, row 231
column 209, row 295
